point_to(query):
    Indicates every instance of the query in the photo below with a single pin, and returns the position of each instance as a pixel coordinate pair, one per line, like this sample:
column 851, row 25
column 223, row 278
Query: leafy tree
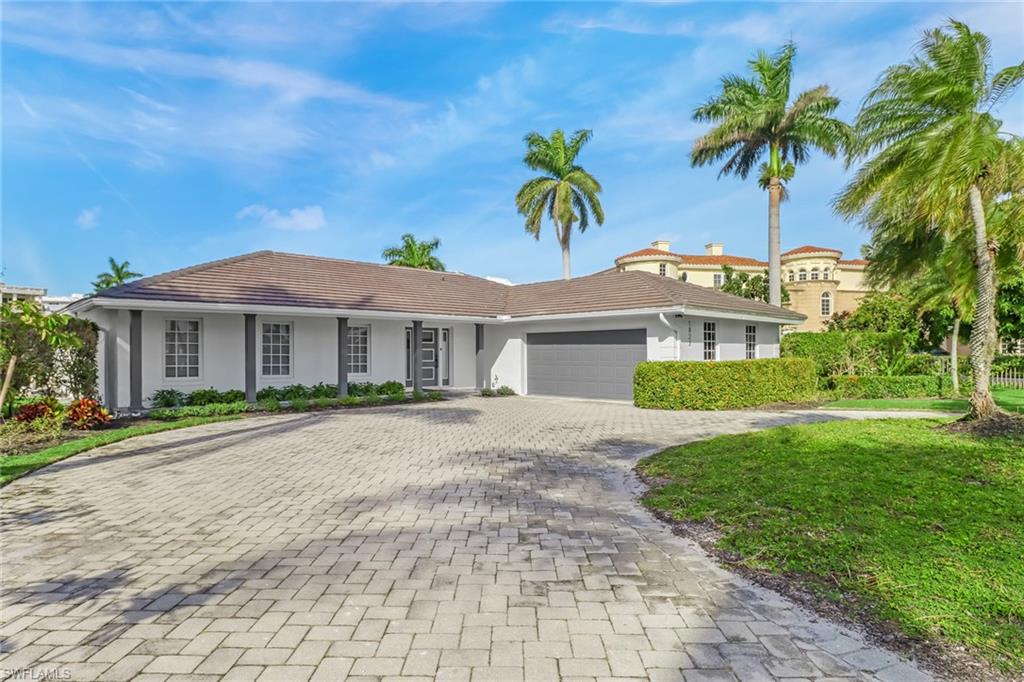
column 1010, row 306
column 414, row 254
column 754, row 116
column 29, row 335
column 745, row 285
column 935, row 157
column 118, row 274
column 880, row 311
column 565, row 191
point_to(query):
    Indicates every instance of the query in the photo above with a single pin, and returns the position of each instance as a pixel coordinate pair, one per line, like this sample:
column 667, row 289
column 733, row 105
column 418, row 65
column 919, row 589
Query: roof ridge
column 199, row 267
column 382, row 265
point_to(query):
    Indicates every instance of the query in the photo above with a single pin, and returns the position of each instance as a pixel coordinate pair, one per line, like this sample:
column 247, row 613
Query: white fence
column 1007, row 376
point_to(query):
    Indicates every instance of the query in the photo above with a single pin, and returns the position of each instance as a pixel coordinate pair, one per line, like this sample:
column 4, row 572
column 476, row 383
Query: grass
column 1010, row 399
column 14, row 466
column 910, row 524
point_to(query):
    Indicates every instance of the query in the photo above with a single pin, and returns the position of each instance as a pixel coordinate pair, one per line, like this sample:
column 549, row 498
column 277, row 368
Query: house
column 37, row 294
column 272, row 319
column 819, row 280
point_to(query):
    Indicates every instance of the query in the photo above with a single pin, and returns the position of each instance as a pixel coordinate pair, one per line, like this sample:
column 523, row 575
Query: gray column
column 342, row 357
column 135, row 359
column 110, row 363
column 417, row 355
column 250, row 357
column 480, row 378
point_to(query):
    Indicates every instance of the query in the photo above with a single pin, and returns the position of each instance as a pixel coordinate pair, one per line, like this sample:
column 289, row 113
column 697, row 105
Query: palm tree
column 566, row 192
column 118, row 274
column 414, row 254
column 939, row 155
column 753, row 116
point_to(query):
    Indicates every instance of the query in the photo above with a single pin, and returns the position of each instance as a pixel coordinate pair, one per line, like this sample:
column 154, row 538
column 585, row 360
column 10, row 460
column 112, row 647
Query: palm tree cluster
column 118, row 274
column 414, row 254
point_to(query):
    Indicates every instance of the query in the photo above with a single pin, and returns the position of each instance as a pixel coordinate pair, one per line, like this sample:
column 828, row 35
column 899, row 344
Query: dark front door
column 429, row 353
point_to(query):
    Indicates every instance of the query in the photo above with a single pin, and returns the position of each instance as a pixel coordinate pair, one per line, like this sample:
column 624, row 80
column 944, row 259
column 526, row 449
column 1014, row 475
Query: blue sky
column 170, row 134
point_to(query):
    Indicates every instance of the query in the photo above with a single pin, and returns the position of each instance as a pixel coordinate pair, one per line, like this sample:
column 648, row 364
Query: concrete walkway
column 476, row 539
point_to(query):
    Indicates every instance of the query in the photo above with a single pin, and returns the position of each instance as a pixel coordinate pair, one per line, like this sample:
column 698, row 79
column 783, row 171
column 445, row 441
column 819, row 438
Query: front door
column 429, row 352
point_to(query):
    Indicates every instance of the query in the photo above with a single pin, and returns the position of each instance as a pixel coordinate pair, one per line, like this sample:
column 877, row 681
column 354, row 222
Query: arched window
column 826, row 304
column 826, row 274
column 662, row 269
column 792, row 275
column 815, row 274
column 803, row 275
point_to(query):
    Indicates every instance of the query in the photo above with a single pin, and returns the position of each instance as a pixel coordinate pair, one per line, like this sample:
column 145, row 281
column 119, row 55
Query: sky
column 172, row 134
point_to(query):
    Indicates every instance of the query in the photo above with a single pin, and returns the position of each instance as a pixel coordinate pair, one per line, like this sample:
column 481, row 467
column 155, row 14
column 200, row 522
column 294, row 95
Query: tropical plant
column 118, row 274
column 565, row 192
column 935, row 159
column 754, row 116
column 414, row 254
column 26, row 329
column 87, row 413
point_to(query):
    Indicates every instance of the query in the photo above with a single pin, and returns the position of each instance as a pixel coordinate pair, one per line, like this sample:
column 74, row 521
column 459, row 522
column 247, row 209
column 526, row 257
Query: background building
column 821, row 283
column 10, row 292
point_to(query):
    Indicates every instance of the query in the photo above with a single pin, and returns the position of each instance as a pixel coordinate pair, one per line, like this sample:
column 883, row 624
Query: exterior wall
column 653, row 266
column 852, row 280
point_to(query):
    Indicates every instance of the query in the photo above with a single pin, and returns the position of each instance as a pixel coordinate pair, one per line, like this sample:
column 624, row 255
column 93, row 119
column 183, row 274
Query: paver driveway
column 475, row 539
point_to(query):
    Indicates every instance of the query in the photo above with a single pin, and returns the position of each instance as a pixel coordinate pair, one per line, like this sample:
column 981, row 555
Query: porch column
column 417, row 355
column 250, row 357
column 342, row 357
column 110, row 363
column 480, row 378
column 135, row 359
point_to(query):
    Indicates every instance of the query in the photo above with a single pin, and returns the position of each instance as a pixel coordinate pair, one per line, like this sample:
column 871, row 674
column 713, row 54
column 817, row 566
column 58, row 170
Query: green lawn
column 13, row 466
column 1010, row 399
column 925, row 528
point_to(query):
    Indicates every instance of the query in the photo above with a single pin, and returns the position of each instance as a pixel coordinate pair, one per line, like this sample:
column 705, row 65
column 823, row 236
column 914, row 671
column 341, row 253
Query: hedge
column 674, row 385
column 912, row 386
column 836, row 353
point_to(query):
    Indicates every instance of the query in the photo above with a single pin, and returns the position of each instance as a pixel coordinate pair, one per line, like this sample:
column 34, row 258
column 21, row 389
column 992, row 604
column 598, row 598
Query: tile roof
column 693, row 259
column 810, row 249
column 284, row 279
column 853, row 261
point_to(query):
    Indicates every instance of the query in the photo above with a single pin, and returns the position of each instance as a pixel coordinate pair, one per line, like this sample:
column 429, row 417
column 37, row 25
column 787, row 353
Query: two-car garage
column 584, row 364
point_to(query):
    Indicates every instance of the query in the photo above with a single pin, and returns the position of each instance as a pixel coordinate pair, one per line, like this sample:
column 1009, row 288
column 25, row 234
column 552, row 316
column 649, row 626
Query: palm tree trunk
column 983, row 329
column 954, row 355
column 7, row 382
column 774, row 255
column 564, row 241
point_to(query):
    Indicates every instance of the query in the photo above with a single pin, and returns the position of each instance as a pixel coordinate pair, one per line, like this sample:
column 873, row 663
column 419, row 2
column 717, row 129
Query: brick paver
column 476, row 539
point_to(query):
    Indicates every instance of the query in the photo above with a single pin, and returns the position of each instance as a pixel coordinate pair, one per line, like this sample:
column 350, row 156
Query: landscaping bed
column 898, row 525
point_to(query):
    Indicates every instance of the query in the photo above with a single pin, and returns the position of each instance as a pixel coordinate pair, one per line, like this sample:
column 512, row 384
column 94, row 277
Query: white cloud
column 302, row 219
column 619, row 20
column 89, row 218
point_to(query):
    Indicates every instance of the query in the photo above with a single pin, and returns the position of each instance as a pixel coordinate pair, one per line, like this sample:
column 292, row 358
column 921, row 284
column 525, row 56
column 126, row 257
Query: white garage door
column 586, row 364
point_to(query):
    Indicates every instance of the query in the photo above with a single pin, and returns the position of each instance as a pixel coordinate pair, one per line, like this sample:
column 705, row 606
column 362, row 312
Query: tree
column 934, row 156
column 753, row 116
column 745, row 285
column 118, row 274
column 27, row 331
column 566, row 192
column 414, row 254
column 880, row 311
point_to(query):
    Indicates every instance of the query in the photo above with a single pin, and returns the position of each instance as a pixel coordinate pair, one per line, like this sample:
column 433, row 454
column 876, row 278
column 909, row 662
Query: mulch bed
column 1001, row 425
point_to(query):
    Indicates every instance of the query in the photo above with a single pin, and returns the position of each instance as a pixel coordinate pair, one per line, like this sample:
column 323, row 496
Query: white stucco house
column 273, row 319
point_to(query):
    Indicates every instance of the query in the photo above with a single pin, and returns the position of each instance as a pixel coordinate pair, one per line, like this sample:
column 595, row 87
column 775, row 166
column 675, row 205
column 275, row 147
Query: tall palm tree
column 753, row 116
column 935, row 147
column 414, row 254
column 566, row 192
column 118, row 274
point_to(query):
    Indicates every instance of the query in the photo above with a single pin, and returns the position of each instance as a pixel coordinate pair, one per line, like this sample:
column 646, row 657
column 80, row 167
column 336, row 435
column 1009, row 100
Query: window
column 277, row 349
column 803, row 275
column 181, row 349
column 826, row 274
column 718, row 278
column 662, row 269
column 359, row 350
column 792, row 275
column 815, row 274
column 751, row 341
column 710, row 342
column 826, row 304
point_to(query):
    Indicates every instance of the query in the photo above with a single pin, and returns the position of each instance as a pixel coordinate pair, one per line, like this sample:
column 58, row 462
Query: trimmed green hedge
column 912, row 386
column 672, row 385
column 853, row 352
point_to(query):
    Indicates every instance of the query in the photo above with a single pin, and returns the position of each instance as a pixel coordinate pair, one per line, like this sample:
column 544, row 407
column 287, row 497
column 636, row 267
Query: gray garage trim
column 584, row 364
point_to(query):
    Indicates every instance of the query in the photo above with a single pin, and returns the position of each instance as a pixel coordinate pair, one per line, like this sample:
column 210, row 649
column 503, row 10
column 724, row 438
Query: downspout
column 675, row 332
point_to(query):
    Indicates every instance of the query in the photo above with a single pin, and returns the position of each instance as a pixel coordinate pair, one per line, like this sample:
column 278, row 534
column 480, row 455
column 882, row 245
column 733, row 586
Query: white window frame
column 825, row 296
column 750, row 342
column 369, row 349
column 663, row 269
column 291, row 350
column 815, row 274
column 826, row 274
column 163, row 354
column 792, row 276
column 803, row 275
column 711, row 327
column 718, row 279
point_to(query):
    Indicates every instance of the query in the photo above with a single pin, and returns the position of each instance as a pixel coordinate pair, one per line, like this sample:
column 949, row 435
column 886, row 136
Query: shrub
column 845, row 352
column 487, row 392
column 371, row 398
column 1005, row 362
column 912, row 386
column 87, row 413
column 321, row 403
column 676, row 385
column 269, row 405
column 361, row 389
column 323, row 390
column 350, row 401
column 168, row 397
column 30, row 412
column 203, row 396
column 505, row 390
column 393, row 389
column 48, row 426
column 299, row 404
column 235, row 395
column 435, row 395
column 208, row 410
column 268, row 393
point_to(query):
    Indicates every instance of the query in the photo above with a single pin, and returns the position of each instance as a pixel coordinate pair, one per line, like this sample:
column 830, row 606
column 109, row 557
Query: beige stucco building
column 820, row 281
